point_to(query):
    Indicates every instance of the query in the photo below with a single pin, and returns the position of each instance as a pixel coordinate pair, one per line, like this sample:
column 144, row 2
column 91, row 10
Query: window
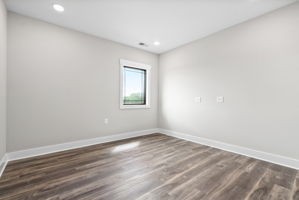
column 134, row 85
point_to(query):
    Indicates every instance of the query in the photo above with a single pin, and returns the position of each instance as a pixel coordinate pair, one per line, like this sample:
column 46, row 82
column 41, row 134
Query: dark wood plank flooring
column 153, row 167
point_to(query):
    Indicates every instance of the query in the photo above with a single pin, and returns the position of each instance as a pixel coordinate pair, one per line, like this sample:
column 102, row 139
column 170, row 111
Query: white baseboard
column 3, row 163
column 76, row 144
column 277, row 159
column 269, row 157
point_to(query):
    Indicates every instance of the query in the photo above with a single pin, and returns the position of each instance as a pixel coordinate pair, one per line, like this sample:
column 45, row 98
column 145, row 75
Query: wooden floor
column 154, row 167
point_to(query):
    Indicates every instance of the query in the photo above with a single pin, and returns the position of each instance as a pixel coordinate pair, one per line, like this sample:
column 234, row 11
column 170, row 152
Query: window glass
column 134, row 86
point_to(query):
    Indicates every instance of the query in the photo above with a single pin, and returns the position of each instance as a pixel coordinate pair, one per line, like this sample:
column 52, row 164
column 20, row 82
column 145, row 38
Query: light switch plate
column 220, row 99
column 197, row 99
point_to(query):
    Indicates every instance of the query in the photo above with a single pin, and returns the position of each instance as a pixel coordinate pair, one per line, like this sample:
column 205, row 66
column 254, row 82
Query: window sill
column 134, row 107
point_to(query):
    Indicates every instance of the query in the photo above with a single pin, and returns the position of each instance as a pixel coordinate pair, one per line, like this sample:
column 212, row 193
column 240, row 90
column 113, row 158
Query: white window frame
column 147, row 68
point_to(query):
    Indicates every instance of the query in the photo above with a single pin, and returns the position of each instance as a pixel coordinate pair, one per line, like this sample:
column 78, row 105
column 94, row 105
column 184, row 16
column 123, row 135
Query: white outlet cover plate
column 220, row 99
column 197, row 99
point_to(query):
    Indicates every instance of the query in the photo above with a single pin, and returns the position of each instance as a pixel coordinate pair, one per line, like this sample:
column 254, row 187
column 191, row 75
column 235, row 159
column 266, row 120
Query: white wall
column 255, row 66
column 2, row 79
column 62, row 84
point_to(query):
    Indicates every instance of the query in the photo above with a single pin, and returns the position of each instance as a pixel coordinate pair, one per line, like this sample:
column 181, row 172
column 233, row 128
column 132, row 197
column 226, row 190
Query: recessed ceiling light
column 157, row 43
column 58, row 8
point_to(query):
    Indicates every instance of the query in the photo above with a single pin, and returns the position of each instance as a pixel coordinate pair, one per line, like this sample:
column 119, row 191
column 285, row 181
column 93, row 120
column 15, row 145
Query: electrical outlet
column 106, row 121
column 197, row 99
column 220, row 99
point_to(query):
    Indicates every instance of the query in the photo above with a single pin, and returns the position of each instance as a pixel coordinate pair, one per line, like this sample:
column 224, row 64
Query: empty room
column 149, row 100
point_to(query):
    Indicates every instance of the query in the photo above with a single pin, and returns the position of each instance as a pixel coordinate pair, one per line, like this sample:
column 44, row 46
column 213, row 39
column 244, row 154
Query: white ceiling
column 172, row 22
